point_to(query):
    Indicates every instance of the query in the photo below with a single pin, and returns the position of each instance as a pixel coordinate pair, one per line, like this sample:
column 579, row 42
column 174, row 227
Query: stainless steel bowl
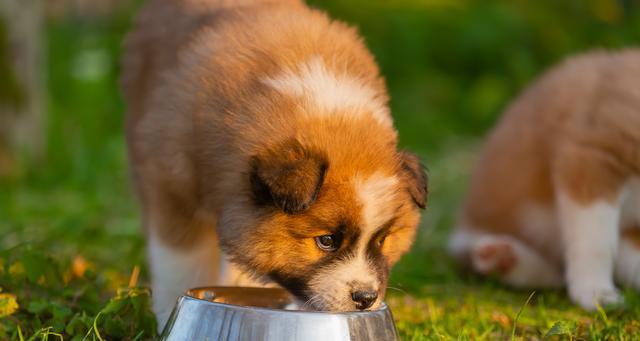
column 257, row 314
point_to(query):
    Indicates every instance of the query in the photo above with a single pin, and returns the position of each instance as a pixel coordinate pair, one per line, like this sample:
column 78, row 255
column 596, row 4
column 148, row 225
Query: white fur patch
column 591, row 234
column 333, row 285
column 331, row 91
column 376, row 195
column 174, row 271
column 461, row 241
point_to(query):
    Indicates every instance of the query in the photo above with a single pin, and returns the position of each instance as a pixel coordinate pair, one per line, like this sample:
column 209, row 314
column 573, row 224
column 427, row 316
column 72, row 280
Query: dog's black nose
column 364, row 299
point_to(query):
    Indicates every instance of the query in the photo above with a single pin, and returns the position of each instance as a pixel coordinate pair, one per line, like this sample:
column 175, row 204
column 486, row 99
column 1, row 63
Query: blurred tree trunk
column 21, row 81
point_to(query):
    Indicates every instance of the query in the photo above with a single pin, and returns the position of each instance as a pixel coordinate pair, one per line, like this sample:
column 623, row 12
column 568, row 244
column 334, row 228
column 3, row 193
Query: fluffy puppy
column 259, row 133
column 555, row 196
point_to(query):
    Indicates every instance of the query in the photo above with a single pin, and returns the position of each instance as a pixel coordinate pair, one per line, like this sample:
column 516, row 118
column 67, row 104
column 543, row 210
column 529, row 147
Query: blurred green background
column 451, row 67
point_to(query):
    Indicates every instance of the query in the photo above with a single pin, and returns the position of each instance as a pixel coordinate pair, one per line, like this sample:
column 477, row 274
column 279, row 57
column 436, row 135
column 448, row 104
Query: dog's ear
column 288, row 176
column 414, row 177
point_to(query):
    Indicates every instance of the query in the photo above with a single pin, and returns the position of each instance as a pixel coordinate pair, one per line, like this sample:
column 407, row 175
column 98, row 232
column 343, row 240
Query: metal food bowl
column 257, row 314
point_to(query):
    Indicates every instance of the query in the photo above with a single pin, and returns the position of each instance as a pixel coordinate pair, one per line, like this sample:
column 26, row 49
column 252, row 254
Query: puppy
column 555, row 196
column 259, row 134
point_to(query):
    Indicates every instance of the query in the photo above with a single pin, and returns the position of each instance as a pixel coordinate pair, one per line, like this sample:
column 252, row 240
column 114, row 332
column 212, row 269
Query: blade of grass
column 138, row 336
column 47, row 332
column 515, row 321
column 603, row 314
column 95, row 327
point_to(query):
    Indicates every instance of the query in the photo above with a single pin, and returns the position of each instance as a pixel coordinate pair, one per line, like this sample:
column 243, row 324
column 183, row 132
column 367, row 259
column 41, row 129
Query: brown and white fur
column 254, row 128
column 555, row 196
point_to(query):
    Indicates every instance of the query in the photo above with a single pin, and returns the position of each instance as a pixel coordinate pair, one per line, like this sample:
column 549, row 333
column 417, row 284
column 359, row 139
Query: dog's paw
column 589, row 297
column 493, row 256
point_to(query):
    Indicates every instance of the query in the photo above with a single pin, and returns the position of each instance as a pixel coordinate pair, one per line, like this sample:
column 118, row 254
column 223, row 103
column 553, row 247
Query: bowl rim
column 384, row 308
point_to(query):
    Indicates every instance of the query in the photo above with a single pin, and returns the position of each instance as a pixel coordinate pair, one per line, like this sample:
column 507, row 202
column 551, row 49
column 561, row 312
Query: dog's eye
column 381, row 240
column 328, row 242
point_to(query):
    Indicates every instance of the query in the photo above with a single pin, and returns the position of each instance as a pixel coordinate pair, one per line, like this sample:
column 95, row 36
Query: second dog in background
column 555, row 196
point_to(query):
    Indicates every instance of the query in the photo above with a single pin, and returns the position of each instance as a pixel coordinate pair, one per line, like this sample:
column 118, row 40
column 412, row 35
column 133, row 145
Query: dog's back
column 162, row 29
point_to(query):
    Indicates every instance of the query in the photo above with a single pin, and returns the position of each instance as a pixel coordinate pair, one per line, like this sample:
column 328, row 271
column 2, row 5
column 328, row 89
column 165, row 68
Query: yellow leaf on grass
column 16, row 268
column 503, row 320
column 80, row 265
column 8, row 304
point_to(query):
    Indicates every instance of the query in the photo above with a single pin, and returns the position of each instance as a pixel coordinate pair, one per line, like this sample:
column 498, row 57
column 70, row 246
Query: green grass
column 69, row 229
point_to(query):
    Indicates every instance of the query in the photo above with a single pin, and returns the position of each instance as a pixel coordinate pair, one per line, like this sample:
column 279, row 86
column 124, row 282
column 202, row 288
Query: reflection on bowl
column 272, row 298
column 256, row 314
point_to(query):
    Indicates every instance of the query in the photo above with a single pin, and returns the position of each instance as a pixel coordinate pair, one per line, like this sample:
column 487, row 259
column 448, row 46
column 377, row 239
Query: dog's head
column 326, row 227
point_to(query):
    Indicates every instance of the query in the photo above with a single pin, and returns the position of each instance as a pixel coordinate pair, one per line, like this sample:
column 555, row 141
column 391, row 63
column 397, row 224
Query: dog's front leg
column 176, row 268
column 590, row 235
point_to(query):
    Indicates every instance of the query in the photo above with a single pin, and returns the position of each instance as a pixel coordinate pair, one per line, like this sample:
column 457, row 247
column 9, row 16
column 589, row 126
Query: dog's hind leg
column 627, row 267
column 506, row 257
column 514, row 262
